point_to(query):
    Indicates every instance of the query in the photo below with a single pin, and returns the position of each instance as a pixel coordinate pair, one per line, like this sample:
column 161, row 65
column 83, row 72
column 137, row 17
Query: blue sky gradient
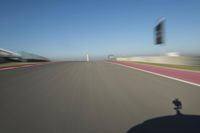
column 62, row 29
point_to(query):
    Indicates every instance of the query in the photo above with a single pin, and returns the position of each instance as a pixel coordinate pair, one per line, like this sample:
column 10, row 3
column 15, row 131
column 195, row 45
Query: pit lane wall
column 178, row 60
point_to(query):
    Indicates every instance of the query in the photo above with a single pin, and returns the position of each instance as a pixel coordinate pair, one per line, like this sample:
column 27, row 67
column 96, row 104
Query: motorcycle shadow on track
column 179, row 123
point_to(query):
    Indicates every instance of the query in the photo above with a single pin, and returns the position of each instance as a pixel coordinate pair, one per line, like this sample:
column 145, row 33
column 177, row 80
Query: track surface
column 87, row 97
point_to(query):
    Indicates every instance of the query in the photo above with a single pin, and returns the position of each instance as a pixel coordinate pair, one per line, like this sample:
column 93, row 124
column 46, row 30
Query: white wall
column 179, row 60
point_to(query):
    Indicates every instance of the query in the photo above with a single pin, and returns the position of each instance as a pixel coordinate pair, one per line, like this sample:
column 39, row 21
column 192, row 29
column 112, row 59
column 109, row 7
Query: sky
column 68, row 29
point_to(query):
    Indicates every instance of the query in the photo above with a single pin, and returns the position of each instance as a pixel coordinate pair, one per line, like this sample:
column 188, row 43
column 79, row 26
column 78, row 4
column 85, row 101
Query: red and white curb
column 24, row 66
column 154, row 73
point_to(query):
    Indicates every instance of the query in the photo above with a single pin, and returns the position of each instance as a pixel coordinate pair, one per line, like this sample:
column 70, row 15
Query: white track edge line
column 188, row 82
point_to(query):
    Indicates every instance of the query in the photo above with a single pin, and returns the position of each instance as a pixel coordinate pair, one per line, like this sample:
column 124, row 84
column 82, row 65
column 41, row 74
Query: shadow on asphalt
column 179, row 123
column 169, row 124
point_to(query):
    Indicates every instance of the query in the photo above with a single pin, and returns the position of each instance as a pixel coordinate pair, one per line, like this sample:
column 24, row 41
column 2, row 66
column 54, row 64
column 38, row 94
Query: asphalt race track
column 87, row 97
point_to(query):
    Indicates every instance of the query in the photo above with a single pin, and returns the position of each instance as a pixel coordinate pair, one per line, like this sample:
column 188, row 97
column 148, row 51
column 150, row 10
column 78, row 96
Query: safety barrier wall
column 177, row 60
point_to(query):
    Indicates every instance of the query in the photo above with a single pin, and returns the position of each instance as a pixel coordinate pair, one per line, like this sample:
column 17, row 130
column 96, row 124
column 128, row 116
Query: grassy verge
column 193, row 68
column 14, row 64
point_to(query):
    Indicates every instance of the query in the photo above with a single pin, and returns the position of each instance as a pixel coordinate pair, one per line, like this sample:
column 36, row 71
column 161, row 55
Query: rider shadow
column 179, row 123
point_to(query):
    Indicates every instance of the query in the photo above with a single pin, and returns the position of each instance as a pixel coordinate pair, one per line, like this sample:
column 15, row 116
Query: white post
column 87, row 57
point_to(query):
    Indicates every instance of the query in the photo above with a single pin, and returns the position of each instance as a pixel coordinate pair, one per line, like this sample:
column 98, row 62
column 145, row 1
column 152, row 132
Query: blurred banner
column 159, row 32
